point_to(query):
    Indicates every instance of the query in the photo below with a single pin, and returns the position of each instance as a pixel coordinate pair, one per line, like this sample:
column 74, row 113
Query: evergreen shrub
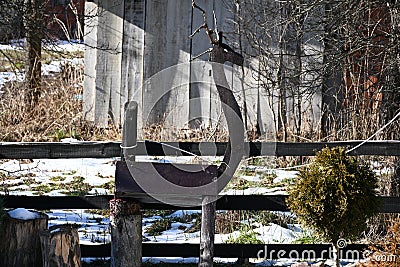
column 334, row 195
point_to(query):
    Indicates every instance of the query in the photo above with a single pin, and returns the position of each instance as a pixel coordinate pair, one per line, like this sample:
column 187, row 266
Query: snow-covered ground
column 47, row 69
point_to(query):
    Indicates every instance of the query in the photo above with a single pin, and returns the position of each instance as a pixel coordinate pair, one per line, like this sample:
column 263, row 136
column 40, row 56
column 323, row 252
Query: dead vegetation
column 57, row 115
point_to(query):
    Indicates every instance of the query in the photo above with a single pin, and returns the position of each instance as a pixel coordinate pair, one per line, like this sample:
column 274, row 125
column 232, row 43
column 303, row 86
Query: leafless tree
column 32, row 20
column 283, row 38
column 343, row 54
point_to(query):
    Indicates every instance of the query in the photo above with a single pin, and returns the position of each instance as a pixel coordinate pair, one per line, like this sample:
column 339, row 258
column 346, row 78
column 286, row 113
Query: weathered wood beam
column 90, row 38
column 228, row 250
column 226, row 202
column 103, row 57
column 54, row 150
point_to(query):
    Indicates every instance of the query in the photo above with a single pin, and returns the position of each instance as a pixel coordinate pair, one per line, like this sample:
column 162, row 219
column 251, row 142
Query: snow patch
column 182, row 213
column 274, row 233
column 253, row 178
column 284, row 175
column 23, row 214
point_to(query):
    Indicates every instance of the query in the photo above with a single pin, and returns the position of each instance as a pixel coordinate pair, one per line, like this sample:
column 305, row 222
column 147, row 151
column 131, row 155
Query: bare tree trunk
column 33, row 21
column 281, row 78
column 331, row 76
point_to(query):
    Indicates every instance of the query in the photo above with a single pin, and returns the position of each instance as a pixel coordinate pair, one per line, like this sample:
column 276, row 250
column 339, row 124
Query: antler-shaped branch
column 220, row 53
column 209, row 32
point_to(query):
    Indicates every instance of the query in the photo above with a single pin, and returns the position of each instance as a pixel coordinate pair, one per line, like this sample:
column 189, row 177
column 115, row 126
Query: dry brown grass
column 387, row 252
column 227, row 222
column 57, row 115
column 161, row 132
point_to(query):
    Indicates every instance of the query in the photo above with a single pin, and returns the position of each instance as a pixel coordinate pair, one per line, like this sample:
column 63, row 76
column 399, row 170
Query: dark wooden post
column 129, row 132
column 20, row 238
column 60, row 246
column 126, row 233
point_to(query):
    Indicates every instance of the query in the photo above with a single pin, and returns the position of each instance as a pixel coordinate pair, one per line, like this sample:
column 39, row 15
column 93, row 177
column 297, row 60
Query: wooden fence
column 228, row 202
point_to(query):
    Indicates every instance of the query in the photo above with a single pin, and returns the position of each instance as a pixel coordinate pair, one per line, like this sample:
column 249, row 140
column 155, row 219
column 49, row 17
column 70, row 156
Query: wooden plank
column 379, row 148
column 190, row 176
column 166, row 44
column 54, row 150
column 231, row 250
column 89, row 79
column 252, row 202
column 132, row 53
column 129, row 130
column 108, row 67
column 57, row 202
column 390, row 205
column 227, row 202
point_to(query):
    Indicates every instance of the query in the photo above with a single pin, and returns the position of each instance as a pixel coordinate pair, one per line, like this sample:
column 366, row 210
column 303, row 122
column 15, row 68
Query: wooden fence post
column 129, row 131
column 207, row 232
column 125, row 217
column 60, row 247
column 20, row 238
column 126, row 233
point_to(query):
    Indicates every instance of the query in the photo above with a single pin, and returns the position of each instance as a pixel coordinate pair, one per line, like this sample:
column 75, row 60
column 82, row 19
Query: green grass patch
column 12, row 60
column 77, row 187
column 161, row 213
column 109, row 185
column 57, row 178
column 158, row 227
column 246, row 236
column 73, row 172
column 307, row 238
column 104, row 213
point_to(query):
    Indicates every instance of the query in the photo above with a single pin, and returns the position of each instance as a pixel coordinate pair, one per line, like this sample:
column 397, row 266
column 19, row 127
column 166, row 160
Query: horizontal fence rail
column 263, row 251
column 225, row 202
column 56, row 150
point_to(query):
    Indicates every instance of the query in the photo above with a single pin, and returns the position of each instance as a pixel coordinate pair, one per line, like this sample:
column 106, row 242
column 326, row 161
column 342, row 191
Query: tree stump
column 20, row 235
column 126, row 233
column 60, row 247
